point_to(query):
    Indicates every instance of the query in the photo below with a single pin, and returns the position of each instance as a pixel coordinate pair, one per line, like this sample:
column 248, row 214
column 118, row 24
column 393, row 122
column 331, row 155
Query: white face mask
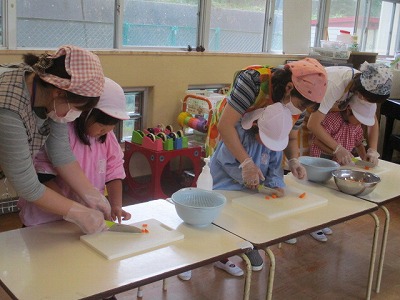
column 69, row 117
column 293, row 109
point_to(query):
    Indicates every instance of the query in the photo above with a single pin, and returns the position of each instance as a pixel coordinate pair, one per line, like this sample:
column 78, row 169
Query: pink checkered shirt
column 348, row 135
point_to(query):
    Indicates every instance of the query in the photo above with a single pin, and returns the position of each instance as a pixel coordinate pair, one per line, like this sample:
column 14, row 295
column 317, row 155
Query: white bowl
column 198, row 207
column 318, row 169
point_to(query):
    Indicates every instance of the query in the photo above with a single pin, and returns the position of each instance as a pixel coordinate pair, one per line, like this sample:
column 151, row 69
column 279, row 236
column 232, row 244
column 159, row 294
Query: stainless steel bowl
column 356, row 183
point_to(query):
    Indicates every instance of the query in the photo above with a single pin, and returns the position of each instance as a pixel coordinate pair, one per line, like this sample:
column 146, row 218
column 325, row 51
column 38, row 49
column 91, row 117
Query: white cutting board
column 280, row 207
column 113, row 245
column 377, row 170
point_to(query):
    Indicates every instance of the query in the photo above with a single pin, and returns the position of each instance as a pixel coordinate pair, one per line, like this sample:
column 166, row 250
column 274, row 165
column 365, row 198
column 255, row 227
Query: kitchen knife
column 362, row 163
column 112, row 226
column 269, row 191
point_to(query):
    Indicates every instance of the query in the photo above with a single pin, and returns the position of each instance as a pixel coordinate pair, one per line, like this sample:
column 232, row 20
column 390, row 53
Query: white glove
column 343, row 156
column 296, row 168
column 251, row 174
column 96, row 200
column 372, row 156
column 89, row 220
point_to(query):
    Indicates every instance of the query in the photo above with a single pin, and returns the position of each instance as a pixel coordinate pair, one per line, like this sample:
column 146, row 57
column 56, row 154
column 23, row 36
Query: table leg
column 164, row 284
column 373, row 255
column 271, row 274
column 383, row 248
column 247, row 279
column 139, row 292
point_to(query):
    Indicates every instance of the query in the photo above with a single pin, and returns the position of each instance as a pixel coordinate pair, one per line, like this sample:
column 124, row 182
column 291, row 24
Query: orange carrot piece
column 266, row 198
column 146, row 231
column 302, row 195
column 144, row 225
column 274, row 196
column 366, row 168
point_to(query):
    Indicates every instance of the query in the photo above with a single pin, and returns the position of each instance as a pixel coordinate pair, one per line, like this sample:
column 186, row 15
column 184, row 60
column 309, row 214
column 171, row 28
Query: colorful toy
column 198, row 122
column 196, row 113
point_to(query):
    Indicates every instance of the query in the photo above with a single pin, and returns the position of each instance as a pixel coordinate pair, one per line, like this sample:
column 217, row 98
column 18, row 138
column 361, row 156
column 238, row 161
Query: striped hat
column 87, row 78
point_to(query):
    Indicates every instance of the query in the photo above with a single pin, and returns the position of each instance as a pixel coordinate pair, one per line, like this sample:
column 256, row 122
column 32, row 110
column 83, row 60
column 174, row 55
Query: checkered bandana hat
column 376, row 78
column 87, row 78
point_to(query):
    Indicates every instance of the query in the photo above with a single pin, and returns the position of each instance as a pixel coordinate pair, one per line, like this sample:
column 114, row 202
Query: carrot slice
column 144, row 225
column 146, row 231
column 266, row 198
column 274, row 196
column 302, row 195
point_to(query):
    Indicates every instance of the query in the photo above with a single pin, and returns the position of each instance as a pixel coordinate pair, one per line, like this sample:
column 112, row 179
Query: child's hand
column 373, row 156
column 297, row 169
column 280, row 190
column 118, row 214
column 251, row 174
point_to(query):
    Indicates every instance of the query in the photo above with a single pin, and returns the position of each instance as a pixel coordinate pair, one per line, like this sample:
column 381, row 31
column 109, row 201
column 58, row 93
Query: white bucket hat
column 274, row 125
column 363, row 111
column 112, row 101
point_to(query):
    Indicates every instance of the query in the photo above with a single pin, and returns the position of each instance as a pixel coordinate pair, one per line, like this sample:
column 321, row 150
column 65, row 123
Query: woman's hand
column 89, row 220
column 96, row 200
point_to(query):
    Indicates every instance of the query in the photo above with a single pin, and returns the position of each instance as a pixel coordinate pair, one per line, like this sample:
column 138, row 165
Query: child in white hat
column 345, row 128
column 371, row 83
column 264, row 133
column 98, row 152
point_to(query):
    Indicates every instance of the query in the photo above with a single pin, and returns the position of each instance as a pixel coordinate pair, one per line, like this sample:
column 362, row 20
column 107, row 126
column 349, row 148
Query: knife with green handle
column 269, row 191
column 112, row 226
column 362, row 163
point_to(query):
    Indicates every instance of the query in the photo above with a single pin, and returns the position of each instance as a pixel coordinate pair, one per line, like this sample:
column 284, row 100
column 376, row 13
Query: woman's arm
column 61, row 156
column 373, row 135
column 73, row 175
column 88, row 220
column 15, row 157
column 314, row 125
column 229, row 135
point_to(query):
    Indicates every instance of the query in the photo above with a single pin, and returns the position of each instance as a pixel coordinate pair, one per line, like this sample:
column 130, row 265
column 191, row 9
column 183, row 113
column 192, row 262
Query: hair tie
column 44, row 62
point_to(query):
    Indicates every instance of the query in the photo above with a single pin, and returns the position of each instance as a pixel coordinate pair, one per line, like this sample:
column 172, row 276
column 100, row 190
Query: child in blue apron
column 263, row 133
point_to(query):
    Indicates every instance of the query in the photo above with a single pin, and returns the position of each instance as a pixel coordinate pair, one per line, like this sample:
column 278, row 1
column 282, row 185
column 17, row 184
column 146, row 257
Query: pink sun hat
column 113, row 101
column 309, row 78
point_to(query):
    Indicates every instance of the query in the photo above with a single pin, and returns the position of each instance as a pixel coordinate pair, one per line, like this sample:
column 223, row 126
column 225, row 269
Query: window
column 381, row 34
column 374, row 22
column 250, row 26
column 1, row 25
column 237, row 26
column 49, row 24
column 160, row 23
column 135, row 102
